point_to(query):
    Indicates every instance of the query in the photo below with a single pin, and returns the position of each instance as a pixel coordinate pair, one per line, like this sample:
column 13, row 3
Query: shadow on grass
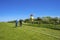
column 45, row 26
column 55, row 28
column 1, row 37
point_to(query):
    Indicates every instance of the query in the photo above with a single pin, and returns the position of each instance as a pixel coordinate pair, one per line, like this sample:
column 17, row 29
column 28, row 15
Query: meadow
column 27, row 32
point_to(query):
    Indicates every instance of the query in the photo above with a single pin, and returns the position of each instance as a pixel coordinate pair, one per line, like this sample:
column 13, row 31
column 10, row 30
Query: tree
column 26, row 20
column 39, row 20
column 59, row 20
column 46, row 19
column 55, row 20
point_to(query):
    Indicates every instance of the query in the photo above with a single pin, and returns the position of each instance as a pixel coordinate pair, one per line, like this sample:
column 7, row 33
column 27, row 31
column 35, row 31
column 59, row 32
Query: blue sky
column 21, row 9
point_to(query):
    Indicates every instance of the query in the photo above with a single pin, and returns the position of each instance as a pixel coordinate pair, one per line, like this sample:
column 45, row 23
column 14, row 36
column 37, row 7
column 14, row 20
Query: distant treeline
column 11, row 21
column 43, row 20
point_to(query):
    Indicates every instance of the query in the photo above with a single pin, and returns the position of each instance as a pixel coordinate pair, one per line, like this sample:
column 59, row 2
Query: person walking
column 20, row 21
column 16, row 23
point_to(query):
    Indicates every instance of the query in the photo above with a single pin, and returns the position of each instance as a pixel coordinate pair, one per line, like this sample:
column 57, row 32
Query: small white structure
column 31, row 18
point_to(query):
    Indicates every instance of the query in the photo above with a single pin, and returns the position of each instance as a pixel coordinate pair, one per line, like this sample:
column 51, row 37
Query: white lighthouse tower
column 31, row 18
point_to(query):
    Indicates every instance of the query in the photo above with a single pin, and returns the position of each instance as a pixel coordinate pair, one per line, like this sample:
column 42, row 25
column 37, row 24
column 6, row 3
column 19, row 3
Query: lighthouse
column 31, row 18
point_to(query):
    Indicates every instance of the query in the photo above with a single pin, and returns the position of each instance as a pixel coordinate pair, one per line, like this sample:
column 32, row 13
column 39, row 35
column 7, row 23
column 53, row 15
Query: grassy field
column 9, row 32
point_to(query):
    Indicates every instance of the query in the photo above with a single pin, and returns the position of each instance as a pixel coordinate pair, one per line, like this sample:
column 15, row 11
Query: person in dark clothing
column 20, row 21
column 16, row 23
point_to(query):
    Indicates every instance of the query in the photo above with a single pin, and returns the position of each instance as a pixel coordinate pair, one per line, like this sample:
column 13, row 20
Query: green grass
column 9, row 32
